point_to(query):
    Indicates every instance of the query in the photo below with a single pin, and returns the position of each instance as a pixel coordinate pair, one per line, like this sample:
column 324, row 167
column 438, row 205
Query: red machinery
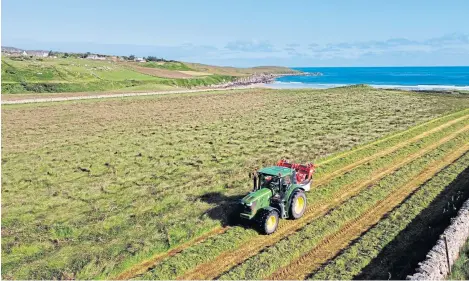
column 303, row 172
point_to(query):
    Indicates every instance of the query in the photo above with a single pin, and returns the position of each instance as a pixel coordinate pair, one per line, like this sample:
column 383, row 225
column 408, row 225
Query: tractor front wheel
column 298, row 205
column 268, row 221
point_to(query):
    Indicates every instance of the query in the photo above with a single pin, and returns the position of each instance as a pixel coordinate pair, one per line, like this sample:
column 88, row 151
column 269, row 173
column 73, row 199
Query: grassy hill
column 51, row 75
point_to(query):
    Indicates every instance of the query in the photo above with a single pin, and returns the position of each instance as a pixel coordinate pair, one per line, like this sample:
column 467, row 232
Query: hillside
column 52, row 75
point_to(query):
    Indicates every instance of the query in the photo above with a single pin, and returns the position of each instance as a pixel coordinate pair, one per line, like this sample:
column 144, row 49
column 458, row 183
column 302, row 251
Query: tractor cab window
column 285, row 183
column 286, row 180
column 268, row 181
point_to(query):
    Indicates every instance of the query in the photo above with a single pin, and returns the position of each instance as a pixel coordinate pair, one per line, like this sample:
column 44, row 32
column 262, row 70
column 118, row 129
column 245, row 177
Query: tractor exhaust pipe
column 254, row 177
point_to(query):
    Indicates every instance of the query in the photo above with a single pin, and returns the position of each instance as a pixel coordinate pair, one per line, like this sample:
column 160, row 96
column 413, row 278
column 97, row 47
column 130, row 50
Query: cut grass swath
column 424, row 130
column 353, row 259
column 150, row 162
column 333, row 244
column 247, row 250
column 273, row 258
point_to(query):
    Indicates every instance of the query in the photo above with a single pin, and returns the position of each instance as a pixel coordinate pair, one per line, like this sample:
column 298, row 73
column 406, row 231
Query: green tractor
column 279, row 192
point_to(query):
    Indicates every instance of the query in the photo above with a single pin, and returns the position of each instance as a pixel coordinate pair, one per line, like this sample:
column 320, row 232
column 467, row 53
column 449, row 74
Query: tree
column 85, row 55
column 131, row 57
column 152, row 58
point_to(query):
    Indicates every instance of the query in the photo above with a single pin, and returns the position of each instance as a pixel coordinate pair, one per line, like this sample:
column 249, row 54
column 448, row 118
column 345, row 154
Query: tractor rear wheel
column 298, row 205
column 268, row 221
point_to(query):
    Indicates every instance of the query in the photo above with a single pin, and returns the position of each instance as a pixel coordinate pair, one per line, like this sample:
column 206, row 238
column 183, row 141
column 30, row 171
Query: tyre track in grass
column 148, row 264
column 229, row 259
column 330, row 246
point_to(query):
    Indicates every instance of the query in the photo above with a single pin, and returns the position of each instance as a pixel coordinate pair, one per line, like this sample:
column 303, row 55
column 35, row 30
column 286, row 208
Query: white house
column 43, row 54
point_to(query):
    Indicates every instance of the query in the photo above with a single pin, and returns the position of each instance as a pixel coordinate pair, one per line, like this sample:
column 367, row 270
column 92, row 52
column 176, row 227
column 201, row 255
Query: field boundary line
column 232, row 258
column 334, row 243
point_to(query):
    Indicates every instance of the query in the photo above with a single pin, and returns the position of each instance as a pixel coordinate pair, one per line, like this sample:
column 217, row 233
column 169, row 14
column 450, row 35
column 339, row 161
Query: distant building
column 140, row 60
column 95, row 57
column 42, row 54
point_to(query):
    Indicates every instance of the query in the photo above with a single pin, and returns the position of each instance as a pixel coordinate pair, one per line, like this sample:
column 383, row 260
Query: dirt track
column 85, row 96
column 229, row 259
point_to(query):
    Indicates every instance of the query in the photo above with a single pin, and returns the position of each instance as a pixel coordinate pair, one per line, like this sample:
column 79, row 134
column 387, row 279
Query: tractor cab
column 278, row 192
column 277, row 179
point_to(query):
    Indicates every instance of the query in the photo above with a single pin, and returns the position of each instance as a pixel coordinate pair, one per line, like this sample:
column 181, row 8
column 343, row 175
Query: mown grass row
column 187, row 265
column 151, row 163
column 350, row 262
column 357, row 175
column 179, row 264
column 285, row 251
column 420, row 235
column 339, row 160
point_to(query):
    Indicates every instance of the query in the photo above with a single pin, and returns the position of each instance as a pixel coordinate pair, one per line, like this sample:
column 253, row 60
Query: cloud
column 453, row 39
column 451, row 48
column 250, row 46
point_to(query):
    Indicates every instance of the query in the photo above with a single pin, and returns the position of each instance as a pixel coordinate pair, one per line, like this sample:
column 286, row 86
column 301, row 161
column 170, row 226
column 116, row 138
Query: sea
column 409, row 78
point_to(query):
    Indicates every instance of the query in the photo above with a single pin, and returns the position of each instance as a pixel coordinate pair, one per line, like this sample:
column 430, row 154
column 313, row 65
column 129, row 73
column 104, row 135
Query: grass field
column 48, row 75
column 460, row 270
column 111, row 186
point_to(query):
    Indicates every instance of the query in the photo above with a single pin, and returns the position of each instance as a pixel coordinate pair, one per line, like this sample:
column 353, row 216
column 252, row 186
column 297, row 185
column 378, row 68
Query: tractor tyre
column 298, row 205
column 268, row 221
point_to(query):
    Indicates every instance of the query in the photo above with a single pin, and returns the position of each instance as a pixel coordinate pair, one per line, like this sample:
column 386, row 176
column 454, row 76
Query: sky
column 247, row 32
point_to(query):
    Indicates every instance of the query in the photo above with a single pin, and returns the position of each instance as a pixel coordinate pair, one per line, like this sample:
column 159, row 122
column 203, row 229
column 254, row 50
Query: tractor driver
column 267, row 181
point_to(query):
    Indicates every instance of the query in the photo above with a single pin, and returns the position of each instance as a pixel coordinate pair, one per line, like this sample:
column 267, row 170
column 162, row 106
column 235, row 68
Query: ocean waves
column 300, row 85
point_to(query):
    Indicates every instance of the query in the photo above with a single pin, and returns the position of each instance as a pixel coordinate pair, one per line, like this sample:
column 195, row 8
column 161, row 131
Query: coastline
column 269, row 80
column 262, row 78
column 421, row 88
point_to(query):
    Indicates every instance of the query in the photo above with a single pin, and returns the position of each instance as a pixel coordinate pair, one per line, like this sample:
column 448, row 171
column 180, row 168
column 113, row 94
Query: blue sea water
column 413, row 78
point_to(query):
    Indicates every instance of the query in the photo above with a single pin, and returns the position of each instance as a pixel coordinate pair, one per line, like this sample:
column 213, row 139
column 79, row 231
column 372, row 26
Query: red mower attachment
column 304, row 173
